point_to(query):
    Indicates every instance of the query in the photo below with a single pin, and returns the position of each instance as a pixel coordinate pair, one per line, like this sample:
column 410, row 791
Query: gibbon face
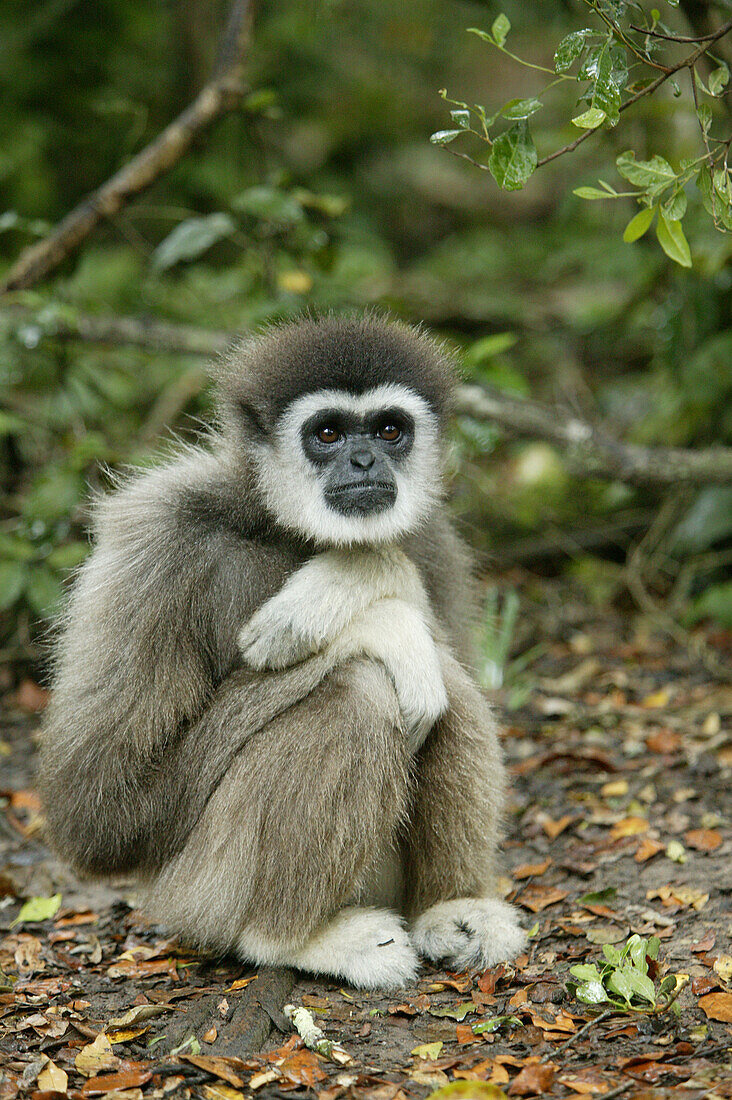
column 361, row 467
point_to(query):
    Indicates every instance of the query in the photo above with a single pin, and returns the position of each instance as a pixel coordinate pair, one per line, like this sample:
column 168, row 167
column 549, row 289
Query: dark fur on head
column 266, row 373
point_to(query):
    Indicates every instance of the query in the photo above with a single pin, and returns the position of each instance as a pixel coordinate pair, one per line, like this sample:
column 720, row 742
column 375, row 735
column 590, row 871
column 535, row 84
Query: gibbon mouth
column 362, row 497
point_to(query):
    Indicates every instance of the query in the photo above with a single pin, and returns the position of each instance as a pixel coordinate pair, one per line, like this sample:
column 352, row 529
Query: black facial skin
column 358, row 456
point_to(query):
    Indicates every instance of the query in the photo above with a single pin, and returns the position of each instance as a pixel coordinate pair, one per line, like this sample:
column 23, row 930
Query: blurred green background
column 324, row 192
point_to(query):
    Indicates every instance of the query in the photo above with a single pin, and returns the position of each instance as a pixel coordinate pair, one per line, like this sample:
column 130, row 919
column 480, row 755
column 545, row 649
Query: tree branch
column 590, row 451
column 220, row 95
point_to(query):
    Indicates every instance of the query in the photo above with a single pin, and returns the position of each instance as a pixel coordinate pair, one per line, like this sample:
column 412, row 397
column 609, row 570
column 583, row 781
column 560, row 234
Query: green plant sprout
column 611, row 66
column 624, row 981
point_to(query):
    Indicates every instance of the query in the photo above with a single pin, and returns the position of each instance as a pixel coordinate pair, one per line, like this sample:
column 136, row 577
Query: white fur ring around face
column 469, row 932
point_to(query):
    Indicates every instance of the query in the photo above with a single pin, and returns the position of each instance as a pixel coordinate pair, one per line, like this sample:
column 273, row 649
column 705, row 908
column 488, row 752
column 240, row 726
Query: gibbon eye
column 328, row 434
column 390, row 433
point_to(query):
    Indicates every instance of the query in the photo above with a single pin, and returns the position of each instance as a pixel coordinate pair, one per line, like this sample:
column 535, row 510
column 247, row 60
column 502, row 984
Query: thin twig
column 220, row 95
column 674, row 37
column 579, row 1034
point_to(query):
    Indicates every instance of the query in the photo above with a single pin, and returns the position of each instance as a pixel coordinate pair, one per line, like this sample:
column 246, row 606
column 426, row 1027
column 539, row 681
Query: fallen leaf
column 536, row 897
column 628, row 826
column 38, row 909
column 647, row 849
column 453, row 1012
column 429, row 1051
column 302, row 1068
column 138, row 1013
column 554, row 828
column 717, row 1006
column 52, row 1078
column 260, row 1079
column 615, row 789
column 723, row 966
column 533, row 1080
column 464, row 1034
column 240, row 983
column 655, row 699
column 125, row 1034
column 96, row 1056
column 211, row 1035
column 468, row 1090
column 664, row 741
column 223, row 1092
column 704, row 840
column 434, row 1078
column 217, row 1067
column 113, row 1082
column 531, row 870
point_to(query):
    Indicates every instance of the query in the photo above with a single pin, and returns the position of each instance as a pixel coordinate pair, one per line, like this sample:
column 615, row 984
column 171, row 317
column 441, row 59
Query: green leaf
column 44, row 591
column 641, row 985
column 652, row 947
column 718, row 79
column 674, row 208
column 598, row 897
column 16, row 548
column 638, row 225
column 606, row 94
column 495, row 1023
column 619, row 983
column 672, row 240
column 704, row 114
column 488, row 346
column 569, row 49
column 444, row 137
column 585, row 972
column 461, row 119
column 13, row 576
column 668, row 985
column 715, row 604
column 590, row 193
column 520, row 108
column 592, row 993
column 637, row 950
column 655, row 173
column 501, row 27
column 191, row 239
column 513, row 157
column 590, row 120
column 270, row 204
column 38, row 909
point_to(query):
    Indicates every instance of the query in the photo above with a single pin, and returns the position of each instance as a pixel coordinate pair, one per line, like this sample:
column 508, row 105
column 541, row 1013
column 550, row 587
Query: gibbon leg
column 305, row 814
column 457, row 918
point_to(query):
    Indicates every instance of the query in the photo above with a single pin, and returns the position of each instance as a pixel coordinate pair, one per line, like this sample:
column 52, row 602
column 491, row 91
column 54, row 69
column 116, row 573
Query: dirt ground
column 620, row 753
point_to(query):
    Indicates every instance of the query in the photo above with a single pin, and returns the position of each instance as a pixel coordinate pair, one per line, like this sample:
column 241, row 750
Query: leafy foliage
column 624, row 980
column 610, row 63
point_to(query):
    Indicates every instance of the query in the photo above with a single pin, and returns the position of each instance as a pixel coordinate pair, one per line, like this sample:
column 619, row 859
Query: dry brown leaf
column 531, row 870
column 537, row 898
column 211, row 1035
column 217, row 1067
column 554, row 828
column 52, row 1078
column 664, row 741
column 717, row 1006
column 113, row 1082
column 704, row 840
column 534, row 1080
column 138, row 1013
column 96, row 1057
column 302, row 1068
column 647, row 849
column 240, row 983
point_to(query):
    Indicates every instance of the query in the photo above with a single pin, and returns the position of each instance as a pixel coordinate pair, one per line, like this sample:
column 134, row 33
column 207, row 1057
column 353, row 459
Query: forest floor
column 619, row 823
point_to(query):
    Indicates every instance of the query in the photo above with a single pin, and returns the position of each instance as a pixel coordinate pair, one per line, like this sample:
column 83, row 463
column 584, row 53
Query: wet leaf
column 430, row 1051
column 513, row 157
column 96, row 1057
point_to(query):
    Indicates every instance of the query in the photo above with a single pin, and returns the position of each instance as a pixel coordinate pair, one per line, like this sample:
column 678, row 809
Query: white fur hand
column 469, row 932
column 319, row 601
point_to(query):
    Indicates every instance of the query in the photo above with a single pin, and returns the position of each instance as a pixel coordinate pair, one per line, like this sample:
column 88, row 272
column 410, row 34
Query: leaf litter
column 618, row 853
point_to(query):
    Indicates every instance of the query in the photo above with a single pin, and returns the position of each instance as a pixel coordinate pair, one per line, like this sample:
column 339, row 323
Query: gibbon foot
column 469, row 932
column 368, row 948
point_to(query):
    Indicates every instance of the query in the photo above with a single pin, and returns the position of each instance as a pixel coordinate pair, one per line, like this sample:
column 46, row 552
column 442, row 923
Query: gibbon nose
column 362, row 458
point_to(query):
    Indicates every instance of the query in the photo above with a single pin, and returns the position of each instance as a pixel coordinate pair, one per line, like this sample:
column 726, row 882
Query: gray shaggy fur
column 259, row 799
